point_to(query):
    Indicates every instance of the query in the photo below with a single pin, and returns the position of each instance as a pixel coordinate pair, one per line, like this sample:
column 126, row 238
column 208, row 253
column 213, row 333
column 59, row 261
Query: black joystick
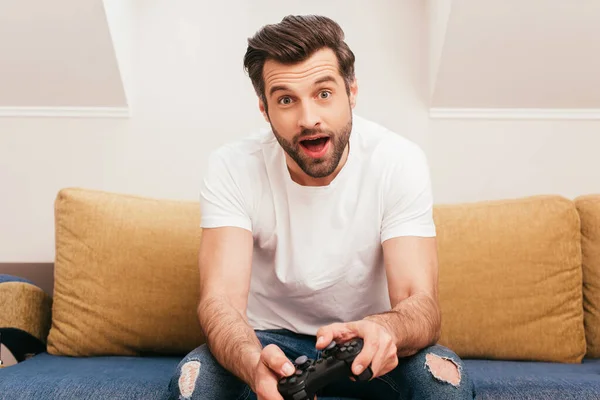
column 311, row 375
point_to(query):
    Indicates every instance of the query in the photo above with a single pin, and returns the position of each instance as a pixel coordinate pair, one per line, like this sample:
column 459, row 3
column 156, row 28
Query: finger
column 379, row 361
column 274, row 392
column 274, row 358
column 360, row 328
column 366, row 355
column 371, row 344
column 328, row 333
column 270, row 394
column 267, row 388
column 392, row 364
column 385, row 359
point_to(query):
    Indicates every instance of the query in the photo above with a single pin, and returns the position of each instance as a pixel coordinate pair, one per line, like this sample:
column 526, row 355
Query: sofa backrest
column 510, row 279
column 126, row 277
column 589, row 211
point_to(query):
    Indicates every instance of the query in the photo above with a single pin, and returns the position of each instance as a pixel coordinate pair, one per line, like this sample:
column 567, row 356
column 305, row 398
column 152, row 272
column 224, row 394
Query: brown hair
column 293, row 40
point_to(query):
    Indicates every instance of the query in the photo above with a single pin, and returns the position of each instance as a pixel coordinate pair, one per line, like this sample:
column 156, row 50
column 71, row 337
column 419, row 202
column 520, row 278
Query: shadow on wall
column 41, row 274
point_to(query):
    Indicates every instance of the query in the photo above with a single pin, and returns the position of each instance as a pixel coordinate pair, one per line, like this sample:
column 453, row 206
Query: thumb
column 274, row 358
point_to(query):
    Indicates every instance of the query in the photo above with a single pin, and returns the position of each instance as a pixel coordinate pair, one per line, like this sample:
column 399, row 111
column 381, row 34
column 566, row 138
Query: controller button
column 301, row 360
column 283, row 381
column 299, row 372
column 344, row 348
column 353, row 343
column 350, row 348
column 293, row 379
column 331, row 345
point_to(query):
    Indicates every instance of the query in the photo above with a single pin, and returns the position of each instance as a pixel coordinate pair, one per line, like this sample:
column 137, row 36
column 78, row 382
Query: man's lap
column 415, row 376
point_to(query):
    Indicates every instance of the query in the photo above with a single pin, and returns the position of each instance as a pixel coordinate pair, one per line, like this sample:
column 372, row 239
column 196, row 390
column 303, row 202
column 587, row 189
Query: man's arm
column 414, row 321
column 411, row 265
column 225, row 265
column 408, row 237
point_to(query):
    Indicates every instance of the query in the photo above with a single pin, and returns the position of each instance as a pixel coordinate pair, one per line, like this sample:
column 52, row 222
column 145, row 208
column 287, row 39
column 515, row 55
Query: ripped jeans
column 421, row 376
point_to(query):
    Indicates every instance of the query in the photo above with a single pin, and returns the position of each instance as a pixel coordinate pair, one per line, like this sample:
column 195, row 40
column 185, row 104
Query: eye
column 286, row 100
column 325, row 94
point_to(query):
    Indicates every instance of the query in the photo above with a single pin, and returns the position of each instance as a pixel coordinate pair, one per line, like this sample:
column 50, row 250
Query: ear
column 261, row 107
column 353, row 92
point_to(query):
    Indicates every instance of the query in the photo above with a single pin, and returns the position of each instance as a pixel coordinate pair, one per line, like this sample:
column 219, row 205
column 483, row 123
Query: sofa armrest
column 25, row 316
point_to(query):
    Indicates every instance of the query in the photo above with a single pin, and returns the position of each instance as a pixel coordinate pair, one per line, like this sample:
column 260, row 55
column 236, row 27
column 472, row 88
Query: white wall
column 57, row 53
column 515, row 53
column 438, row 12
column 493, row 159
column 182, row 66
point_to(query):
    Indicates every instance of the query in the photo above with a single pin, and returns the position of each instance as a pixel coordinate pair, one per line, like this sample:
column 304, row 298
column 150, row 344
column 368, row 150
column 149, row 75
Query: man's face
column 310, row 112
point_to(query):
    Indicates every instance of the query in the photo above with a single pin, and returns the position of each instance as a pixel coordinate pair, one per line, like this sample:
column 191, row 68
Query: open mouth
column 315, row 147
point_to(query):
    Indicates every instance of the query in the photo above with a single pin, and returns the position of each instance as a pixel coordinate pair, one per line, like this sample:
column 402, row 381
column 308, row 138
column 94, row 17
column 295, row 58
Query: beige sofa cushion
column 589, row 211
column 126, row 275
column 510, row 279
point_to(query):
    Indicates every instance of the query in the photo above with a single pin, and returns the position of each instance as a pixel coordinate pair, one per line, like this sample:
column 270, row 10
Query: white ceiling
column 515, row 53
column 57, row 53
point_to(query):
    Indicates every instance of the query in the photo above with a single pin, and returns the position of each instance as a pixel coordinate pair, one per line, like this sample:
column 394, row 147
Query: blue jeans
column 411, row 379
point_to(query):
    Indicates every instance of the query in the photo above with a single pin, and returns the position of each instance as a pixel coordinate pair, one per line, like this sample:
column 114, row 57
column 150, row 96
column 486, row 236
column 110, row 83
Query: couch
column 519, row 292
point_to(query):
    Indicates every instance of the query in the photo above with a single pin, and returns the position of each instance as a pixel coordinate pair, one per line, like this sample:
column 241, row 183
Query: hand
column 379, row 349
column 272, row 365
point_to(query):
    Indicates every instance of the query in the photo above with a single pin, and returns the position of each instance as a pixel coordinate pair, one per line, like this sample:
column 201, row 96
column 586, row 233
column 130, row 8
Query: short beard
column 319, row 167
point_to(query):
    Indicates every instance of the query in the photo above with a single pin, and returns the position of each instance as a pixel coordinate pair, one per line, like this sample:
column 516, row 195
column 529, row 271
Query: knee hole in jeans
column 444, row 369
column 188, row 378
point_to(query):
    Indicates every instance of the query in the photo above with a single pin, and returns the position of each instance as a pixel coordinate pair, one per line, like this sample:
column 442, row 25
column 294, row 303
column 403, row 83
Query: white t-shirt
column 317, row 255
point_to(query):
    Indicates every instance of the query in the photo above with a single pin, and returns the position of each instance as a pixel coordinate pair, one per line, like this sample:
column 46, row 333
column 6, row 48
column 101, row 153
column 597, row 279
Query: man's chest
column 317, row 240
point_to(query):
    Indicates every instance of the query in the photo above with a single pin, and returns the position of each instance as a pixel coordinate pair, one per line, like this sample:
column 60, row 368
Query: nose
column 309, row 116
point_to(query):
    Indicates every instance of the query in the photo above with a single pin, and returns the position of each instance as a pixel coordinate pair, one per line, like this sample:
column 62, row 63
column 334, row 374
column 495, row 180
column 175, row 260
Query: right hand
column 272, row 365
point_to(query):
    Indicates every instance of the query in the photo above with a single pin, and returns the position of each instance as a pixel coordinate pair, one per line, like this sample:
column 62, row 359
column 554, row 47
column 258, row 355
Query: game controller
column 311, row 375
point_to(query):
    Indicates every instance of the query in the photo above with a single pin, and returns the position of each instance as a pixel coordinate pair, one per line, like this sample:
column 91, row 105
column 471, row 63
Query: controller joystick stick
column 311, row 375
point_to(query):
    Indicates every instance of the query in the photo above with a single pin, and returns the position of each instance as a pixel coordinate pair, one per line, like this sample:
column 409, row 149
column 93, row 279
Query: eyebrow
column 327, row 78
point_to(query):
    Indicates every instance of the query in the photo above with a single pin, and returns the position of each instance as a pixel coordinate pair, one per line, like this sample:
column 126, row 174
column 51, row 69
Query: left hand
column 379, row 349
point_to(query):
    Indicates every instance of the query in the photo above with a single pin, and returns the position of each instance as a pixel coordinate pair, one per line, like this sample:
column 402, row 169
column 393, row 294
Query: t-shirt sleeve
column 222, row 199
column 408, row 201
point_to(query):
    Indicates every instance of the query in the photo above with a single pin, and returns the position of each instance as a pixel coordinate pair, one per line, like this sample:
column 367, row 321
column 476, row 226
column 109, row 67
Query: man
column 317, row 230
